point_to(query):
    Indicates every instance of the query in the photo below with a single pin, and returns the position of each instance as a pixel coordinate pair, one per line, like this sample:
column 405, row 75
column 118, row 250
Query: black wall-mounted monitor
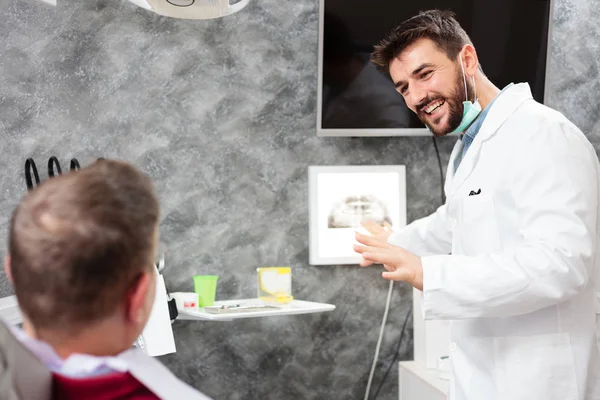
column 356, row 99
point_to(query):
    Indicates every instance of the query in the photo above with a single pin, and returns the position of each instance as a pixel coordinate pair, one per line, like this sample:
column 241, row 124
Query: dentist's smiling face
column 431, row 84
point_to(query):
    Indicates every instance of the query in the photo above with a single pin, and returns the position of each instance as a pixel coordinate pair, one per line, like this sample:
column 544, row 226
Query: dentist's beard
column 455, row 109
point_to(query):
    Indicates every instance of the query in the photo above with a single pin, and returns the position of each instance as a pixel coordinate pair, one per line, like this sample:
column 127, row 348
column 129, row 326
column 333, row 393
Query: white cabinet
column 418, row 379
column 431, row 338
column 419, row 383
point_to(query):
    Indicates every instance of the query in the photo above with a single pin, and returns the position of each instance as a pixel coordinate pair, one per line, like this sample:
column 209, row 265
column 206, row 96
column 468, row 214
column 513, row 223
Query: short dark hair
column 79, row 241
column 441, row 27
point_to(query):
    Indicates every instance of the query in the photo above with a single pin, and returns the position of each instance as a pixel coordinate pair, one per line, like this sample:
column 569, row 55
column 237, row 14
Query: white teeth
column 434, row 106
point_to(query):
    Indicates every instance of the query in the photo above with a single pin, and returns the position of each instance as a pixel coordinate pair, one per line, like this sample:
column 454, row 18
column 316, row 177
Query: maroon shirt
column 113, row 386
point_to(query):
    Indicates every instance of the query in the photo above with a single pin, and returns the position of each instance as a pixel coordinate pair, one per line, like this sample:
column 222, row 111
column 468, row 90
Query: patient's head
column 82, row 249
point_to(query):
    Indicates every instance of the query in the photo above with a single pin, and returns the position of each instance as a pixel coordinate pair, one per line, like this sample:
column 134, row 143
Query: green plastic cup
column 206, row 288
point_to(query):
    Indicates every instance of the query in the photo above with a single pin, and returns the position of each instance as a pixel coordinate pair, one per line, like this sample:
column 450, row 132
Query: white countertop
column 430, row 376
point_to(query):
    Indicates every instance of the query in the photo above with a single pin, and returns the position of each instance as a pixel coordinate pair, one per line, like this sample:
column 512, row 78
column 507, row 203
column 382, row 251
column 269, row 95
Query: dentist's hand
column 380, row 232
column 401, row 265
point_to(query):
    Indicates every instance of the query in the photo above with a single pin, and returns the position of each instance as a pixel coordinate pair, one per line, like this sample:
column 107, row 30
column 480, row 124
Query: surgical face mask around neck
column 470, row 109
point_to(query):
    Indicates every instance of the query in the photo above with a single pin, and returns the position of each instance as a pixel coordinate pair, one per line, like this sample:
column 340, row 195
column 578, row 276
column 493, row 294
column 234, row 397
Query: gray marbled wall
column 574, row 77
column 222, row 115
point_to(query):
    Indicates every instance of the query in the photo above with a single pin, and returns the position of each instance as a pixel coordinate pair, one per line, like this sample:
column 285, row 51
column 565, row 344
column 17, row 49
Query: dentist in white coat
column 511, row 257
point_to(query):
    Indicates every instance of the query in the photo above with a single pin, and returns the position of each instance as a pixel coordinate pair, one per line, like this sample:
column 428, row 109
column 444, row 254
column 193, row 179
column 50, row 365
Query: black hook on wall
column 32, row 178
column 75, row 165
column 29, row 169
column 53, row 161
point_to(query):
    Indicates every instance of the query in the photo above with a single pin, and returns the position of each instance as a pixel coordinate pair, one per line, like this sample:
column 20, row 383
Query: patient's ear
column 7, row 268
column 137, row 302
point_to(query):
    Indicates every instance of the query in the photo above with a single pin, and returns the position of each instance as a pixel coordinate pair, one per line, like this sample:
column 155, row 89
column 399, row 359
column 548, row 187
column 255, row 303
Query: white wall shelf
column 295, row 307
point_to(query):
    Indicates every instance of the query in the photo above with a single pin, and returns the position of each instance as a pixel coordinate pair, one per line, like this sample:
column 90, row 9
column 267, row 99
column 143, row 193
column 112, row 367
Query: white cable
column 385, row 314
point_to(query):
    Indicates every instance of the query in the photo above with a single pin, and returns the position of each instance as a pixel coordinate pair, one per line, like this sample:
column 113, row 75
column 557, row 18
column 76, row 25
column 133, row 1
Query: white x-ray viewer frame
column 330, row 185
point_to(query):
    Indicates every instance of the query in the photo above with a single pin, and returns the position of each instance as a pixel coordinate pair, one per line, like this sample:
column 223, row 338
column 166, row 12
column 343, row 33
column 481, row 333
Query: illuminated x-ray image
column 352, row 210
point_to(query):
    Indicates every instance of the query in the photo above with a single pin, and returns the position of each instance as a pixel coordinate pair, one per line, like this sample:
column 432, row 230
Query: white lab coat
column 519, row 283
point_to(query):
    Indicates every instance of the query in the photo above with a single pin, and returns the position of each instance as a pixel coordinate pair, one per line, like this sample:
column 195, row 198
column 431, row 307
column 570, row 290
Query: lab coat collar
column 504, row 106
column 450, row 172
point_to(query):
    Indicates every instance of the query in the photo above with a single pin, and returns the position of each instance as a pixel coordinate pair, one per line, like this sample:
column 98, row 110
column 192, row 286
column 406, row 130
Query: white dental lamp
column 186, row 9
column 192, row 9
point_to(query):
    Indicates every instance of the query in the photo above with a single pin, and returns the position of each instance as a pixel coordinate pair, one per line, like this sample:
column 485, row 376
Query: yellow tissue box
column 275, row 284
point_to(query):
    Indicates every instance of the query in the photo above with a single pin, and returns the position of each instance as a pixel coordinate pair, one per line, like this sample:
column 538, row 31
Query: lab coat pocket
column 538, row 367
column 476, row 230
